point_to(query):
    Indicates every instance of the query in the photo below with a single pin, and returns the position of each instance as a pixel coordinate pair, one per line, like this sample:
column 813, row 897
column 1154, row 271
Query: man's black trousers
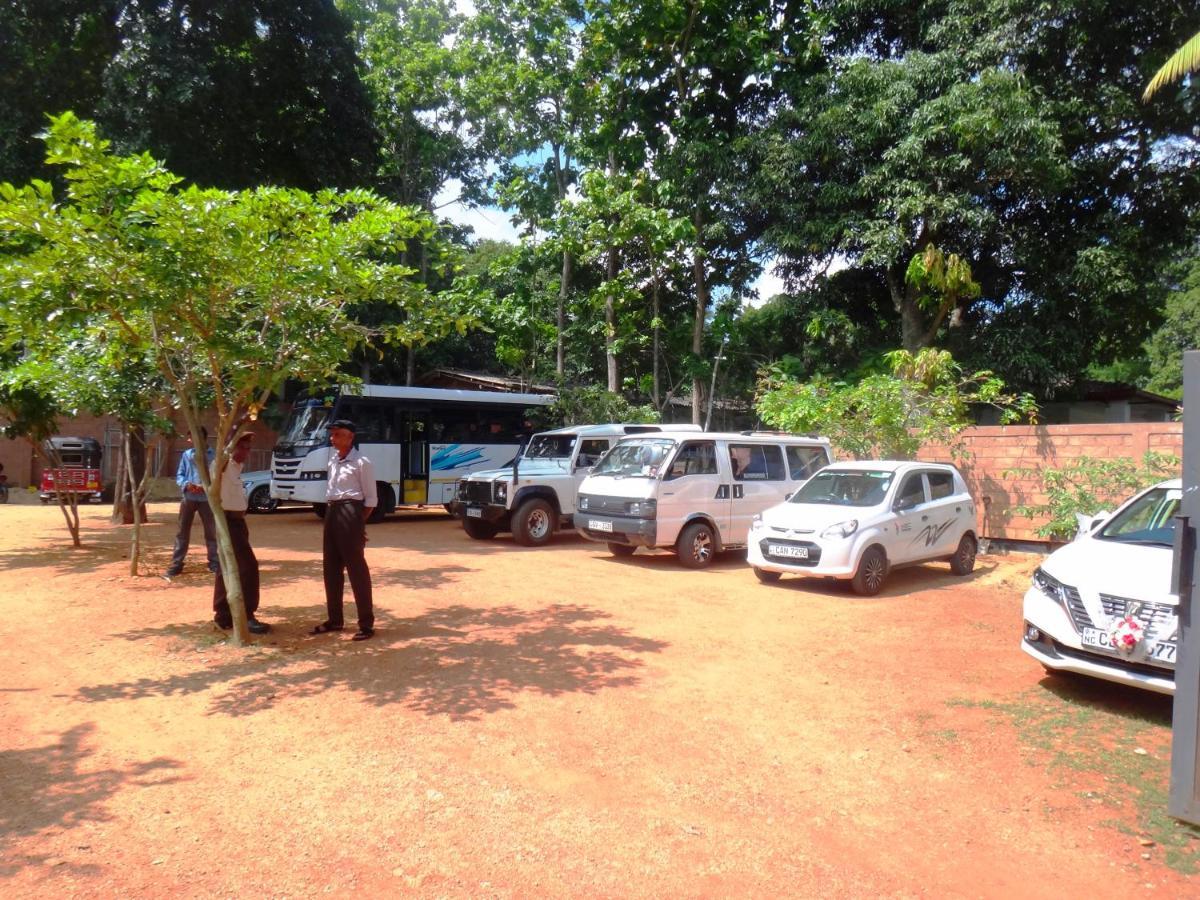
column 344, row 542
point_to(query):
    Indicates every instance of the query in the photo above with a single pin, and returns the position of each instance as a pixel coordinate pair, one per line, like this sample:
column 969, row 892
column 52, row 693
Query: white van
column 696, row 493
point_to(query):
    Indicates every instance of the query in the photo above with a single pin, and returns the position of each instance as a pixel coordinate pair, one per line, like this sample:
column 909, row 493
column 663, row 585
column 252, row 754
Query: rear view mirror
column 904, row 504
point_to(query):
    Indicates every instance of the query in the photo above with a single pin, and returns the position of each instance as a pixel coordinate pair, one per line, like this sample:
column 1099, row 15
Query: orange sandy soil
column 549, row 722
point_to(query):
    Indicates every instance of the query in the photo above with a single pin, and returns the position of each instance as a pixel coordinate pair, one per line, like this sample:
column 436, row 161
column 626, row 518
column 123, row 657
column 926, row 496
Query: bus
column 420, row 440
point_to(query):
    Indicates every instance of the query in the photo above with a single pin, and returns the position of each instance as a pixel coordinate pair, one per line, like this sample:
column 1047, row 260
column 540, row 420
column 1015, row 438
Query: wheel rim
column 539, row 524
column 966, row 553
column 702, row 546
column 873, row 571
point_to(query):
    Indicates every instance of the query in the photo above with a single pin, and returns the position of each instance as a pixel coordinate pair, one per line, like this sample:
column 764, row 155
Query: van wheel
column 697, row 545
column 533, row 523
column 479, row 530
column 963, row 560
column 764, row 576
column 872, row 571
column 620, row 549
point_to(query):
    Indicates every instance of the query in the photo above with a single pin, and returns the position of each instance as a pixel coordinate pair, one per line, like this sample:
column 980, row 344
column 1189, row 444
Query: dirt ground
column 549, row 722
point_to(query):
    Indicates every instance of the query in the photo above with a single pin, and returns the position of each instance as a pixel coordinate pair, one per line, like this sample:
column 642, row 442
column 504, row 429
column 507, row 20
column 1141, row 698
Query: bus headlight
column 316, row 475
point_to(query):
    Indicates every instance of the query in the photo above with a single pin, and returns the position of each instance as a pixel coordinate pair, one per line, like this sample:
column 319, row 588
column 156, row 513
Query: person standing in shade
column 350, row 498
column 233, row 499
column 193, row 501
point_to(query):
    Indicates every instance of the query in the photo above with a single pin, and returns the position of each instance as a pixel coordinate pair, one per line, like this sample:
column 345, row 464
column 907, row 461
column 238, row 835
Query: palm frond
column 1184, row 60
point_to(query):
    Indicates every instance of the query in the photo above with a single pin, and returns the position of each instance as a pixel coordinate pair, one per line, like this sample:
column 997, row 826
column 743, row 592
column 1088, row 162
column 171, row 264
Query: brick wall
column 995, row 450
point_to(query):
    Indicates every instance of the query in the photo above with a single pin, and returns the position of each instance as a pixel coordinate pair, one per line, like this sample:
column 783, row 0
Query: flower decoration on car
column 1125, row 633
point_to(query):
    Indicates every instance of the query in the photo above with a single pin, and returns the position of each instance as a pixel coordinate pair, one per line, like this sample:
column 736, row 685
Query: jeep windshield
column 1150, row 519
column 550, row 446
column 845, row 487
column 634, row 459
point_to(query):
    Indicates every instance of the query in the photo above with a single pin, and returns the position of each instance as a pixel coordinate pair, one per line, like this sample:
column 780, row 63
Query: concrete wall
column 995, row 450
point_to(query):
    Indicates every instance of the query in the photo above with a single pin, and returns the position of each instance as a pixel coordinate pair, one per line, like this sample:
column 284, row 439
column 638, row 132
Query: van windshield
column 845, row 487
column 1148, row 520
column 634, row 459
column 550, row 446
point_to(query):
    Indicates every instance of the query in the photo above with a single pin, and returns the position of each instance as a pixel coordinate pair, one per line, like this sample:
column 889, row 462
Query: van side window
column 941, row 484
column 694, row 458
column 912, row 492
column 756, row 462
column 806, row 461
column 590, row 452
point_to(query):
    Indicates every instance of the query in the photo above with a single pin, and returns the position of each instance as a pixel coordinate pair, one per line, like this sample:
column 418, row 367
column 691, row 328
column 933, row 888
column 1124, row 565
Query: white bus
column 420, row 440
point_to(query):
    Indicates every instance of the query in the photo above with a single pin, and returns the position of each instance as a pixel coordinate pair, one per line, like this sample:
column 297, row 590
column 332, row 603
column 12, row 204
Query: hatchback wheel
column 872, row 571
column 963, row 560
column 764, row 576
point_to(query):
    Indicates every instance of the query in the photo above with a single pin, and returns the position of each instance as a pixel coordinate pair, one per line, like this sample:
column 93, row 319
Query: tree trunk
column 564, row 289
column 610, row 323
column 904, row 301
column 656, row 340
column 134, row 505
column 133, row 472
column 701, row 310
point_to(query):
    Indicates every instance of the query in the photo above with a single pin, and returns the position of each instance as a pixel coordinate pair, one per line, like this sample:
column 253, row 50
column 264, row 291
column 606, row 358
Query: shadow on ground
column 54, row 787
column 458, row 661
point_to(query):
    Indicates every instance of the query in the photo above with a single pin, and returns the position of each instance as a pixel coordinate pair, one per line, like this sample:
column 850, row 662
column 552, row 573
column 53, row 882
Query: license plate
column 1163, row 651
column 788, row 551
column 597, row 525
column 474, row 513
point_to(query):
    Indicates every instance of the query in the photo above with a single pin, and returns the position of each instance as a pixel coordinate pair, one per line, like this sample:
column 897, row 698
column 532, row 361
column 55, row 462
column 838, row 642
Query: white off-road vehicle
column 534, row 496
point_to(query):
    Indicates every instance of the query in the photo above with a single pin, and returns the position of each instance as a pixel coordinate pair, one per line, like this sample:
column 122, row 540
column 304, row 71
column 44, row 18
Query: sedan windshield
column 1150, row 519
column 845, row 487
column 550, row 446
column 634, row 459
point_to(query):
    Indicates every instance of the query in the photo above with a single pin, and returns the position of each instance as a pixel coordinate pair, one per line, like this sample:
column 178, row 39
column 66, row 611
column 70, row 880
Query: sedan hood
column 1136, row 571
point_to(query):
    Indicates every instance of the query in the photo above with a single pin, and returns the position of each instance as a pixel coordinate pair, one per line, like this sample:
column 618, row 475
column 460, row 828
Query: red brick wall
column 995, row 450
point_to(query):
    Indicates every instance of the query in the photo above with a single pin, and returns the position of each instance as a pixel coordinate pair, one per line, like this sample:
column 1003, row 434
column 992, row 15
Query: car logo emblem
column 1133, row 607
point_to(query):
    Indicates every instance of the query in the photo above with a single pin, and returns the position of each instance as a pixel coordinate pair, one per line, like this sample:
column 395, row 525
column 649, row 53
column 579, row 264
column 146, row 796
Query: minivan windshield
column 550, row 446
column 634, row 459
column 845, row 487
column 1150, row 519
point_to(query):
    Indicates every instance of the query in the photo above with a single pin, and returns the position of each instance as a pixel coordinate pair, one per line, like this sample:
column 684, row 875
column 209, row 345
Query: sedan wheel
column 260, row 499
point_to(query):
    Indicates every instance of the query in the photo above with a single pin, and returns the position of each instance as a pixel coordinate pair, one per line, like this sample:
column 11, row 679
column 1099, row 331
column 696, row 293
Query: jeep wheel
column 620, row 549
column 764, row 576
column 479, row 530
column 872, row 571
column 533, row 524
column 963, row 560
column 697, row 546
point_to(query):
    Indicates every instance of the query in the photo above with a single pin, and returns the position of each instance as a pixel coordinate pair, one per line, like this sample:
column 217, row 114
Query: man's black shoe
column 224, row 626
column 257, row 627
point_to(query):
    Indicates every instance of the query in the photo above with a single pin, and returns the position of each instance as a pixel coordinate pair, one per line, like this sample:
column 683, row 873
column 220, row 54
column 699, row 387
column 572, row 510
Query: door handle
column 924, row 518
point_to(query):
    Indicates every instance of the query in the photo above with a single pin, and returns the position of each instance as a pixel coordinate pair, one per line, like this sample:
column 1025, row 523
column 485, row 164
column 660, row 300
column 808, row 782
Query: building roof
column 481, row 381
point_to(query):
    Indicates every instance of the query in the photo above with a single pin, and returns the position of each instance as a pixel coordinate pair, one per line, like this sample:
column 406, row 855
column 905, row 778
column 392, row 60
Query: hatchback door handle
column 924, row 518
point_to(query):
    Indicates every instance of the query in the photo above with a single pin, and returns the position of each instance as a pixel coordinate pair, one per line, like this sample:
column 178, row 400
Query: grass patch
column 1118, row 738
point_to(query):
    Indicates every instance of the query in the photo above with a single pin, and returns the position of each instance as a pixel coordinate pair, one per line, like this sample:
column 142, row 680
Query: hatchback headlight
column 840, row 530
column 756, row 522
column 642, row 509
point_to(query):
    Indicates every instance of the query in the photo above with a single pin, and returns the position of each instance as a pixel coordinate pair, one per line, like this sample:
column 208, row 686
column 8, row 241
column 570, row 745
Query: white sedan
column 258, row 491
column 1102, row 605
column 859, row 520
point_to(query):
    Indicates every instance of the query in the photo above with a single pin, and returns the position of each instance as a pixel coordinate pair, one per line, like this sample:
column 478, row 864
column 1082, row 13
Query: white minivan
column 695, row 493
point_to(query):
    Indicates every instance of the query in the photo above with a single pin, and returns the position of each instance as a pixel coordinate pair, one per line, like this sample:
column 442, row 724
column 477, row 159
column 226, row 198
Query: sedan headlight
column 642, row 509
column 501, row 491
column 840, row 530
column 1048, row 585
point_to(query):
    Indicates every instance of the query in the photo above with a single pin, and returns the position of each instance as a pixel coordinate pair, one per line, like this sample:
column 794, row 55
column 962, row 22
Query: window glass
column 694, row 458
column 372, row 420
column 941, row 484
column 590, row 452
column 1148, row 520
column 912, row 491
column 804, row 462
column 756, row 462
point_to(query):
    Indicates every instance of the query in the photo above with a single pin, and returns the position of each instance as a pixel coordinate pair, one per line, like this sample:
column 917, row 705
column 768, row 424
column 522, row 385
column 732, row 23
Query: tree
column 1183, row 61
column 228, row 293
column 924, row 399
column 1179, row 332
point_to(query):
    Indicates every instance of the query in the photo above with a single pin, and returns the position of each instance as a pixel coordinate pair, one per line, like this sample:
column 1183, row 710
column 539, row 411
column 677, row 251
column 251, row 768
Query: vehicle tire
column 479, row 530
column 319, row 509
column 533, row 523
column 261, row 501
column 766, row 577
column 963, row 560
column 872, row 572
column 697, row 546
column 620, row 549
column 385, row 502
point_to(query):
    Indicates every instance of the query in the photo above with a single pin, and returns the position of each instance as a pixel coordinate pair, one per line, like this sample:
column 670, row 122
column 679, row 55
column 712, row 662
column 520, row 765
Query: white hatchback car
column 1102, row 605
column 859, row 520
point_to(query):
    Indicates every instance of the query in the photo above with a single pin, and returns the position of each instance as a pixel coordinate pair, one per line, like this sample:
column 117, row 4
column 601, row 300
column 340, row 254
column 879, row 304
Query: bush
column 1085, row 486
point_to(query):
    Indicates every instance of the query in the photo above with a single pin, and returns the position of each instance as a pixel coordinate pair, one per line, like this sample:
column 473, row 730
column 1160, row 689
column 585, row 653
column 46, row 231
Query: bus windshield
column 550, row 446
column 306, row 425
column 634, row 459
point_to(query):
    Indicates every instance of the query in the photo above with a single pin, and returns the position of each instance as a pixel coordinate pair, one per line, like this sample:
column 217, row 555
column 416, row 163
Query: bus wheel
column 696, row 546
column 533, row 524
column 481, row 531
column 319, row 509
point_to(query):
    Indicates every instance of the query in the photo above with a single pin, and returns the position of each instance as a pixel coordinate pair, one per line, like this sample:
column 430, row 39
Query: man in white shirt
column 233, row 499
column 350, row 498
